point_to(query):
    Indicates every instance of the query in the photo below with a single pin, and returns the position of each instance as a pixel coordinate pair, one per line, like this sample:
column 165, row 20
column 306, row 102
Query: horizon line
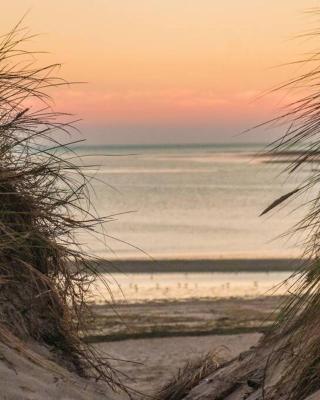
column 160, row 144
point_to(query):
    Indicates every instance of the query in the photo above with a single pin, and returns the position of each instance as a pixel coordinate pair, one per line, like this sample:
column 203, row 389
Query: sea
column 190, row 201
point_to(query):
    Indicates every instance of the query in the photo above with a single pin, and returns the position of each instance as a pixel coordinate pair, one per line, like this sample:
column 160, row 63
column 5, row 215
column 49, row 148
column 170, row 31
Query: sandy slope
column 43, row 379
column 247, row 377
column 23, row 379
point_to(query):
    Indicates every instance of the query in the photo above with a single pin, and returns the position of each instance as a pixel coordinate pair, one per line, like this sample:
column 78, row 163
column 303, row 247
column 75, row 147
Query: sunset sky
column 160, row 71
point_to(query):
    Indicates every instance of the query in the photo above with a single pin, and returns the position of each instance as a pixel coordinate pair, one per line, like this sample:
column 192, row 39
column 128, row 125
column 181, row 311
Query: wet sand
column 182, row 318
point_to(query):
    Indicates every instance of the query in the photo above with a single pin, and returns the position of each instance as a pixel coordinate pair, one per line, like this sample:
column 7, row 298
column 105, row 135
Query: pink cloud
column 167, row 105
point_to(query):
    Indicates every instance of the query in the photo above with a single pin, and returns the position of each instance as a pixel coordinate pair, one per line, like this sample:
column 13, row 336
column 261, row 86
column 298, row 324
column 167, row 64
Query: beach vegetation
column 45, row 202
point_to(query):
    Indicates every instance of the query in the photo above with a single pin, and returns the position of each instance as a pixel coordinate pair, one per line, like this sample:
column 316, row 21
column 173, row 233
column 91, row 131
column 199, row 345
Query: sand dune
column 156, row 360
column 23, row 379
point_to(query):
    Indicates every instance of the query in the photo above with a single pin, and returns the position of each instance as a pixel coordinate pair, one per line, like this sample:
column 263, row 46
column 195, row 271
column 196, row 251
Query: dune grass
column 44, row 204
column 190, row 375
column 299, row 319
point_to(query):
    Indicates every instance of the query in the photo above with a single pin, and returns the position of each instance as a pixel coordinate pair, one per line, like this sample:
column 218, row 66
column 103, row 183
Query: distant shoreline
column 199, row 265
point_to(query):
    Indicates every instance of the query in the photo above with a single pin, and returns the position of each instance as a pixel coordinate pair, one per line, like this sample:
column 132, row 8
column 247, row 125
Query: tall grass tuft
column 299, row 324
column 190, row 375
column 44, row 204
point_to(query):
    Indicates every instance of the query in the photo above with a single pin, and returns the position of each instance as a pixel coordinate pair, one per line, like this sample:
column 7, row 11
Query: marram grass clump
column 44, row 203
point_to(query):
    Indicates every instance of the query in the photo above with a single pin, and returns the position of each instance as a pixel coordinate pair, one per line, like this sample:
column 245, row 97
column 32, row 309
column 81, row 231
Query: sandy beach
column 151, row 341
column 147, row 343
column 38, row 377
column 155, row 361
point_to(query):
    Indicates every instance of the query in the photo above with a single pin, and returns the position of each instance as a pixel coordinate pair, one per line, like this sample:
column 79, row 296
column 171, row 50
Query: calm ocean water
column 198, row 201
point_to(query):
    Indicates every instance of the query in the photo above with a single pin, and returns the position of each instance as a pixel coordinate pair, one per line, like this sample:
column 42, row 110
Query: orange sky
column 167, row 70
